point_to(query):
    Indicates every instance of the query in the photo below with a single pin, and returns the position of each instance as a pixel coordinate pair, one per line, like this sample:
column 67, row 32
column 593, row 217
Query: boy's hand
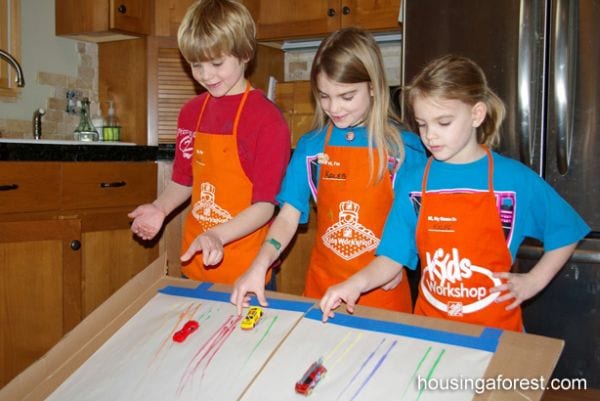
column 251, row 282
column 147, row 221
column 344, row 292
column 209, row 244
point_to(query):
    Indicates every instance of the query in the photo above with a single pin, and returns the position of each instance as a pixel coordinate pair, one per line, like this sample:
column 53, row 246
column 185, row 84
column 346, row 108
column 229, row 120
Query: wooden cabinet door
column 373, row 15
column 168, row 16
column 111, row 255
column 284, row 19
column 40, row 289
column 93, row 17
column 131, row 16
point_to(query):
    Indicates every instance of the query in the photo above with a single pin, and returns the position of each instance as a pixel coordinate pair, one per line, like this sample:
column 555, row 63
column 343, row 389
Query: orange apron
column 220, row 191
column 461, row 244
column 350, row 219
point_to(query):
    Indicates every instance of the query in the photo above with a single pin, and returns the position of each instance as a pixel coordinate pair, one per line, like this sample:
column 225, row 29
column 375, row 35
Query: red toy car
column 313, row 375
column 188, row 328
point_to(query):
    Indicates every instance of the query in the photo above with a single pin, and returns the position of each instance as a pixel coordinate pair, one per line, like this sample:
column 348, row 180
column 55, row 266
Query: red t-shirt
column 263, row 139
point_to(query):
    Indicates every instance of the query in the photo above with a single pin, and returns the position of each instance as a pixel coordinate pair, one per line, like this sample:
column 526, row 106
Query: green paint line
column 437, row 361
column 412, row 377
column 265, row 334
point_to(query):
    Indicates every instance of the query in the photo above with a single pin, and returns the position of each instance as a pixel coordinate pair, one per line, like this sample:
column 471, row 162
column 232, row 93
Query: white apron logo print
column 206, row 211
column 443, row 277
column 347, row 238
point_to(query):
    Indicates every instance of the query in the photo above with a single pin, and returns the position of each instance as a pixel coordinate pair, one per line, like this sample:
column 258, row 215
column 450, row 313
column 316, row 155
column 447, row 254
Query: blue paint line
column 375, row 369
column 360, row 369
column 486, row 341
column 203, row 292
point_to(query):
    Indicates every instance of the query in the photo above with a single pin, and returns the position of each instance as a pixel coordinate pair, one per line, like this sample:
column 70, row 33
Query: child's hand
column 147, row 221
column 209, row 244
column 344, row 292
column 251, row 282
column 520, row 286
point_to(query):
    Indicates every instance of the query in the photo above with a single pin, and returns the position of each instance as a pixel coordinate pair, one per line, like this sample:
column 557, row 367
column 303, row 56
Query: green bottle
column 85, row 131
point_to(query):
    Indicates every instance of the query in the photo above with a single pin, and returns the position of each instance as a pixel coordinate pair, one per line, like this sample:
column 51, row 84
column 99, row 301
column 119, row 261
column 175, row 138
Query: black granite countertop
column 84, row 152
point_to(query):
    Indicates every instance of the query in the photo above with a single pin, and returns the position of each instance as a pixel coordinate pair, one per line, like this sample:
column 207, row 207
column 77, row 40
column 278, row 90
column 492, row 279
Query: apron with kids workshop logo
column 461, row 244
column 220, row 191
column 351, row 213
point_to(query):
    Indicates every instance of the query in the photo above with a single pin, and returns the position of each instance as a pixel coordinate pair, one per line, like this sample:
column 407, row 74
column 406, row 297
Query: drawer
column 108, row 184
column 29, row 186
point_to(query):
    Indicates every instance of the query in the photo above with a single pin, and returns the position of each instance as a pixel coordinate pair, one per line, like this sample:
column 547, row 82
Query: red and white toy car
column 311, row 377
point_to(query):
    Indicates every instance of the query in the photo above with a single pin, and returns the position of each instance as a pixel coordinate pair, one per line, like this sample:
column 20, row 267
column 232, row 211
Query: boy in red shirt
column 233, row 145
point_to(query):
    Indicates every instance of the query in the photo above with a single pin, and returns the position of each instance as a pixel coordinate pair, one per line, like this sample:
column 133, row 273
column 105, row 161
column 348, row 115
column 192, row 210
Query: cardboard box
column 518, row 355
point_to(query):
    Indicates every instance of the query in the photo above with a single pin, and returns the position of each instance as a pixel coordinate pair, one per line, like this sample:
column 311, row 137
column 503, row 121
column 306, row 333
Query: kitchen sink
column 61, row 142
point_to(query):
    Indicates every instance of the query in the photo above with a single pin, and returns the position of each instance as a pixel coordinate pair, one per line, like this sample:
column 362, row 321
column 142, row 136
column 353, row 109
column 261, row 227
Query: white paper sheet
column 142, row 362
column 365, row 365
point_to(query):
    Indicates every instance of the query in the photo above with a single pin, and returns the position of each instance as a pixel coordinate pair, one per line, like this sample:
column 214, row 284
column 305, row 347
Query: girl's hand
column 147, row 221
column 251, row 282
column 520, row 286
column 209, row 244
column 346, row 292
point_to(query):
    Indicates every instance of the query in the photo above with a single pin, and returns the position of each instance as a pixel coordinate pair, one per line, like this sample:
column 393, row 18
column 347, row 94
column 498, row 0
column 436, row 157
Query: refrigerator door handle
column 564, row 66
column 524, row 82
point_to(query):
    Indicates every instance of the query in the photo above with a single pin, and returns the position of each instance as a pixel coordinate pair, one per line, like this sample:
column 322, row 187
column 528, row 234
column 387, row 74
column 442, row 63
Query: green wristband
column 276, row 244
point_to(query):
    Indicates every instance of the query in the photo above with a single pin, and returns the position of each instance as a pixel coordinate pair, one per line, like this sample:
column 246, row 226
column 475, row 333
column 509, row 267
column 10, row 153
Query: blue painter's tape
column 203, row 292
column 486, row 341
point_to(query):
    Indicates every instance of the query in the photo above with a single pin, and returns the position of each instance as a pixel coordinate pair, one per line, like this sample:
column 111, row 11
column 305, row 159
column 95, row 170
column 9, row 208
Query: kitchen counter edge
column 83, row 152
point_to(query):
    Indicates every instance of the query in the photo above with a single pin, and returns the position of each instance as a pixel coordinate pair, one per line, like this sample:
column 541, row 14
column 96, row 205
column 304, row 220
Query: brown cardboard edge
column 40, row 379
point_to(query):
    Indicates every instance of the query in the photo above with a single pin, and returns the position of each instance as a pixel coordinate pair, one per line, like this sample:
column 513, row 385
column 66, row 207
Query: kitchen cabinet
column 40, row 291
column 295, row 99
column 103, row 20
column 65, row 247
column 168, row 16
column 290, row 19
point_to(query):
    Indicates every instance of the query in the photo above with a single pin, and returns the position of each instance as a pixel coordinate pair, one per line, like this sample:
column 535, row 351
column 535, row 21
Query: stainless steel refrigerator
column 542, row 57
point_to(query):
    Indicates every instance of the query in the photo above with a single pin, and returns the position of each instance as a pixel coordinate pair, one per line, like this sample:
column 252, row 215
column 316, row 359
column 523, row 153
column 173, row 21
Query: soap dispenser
column 85, row 131
column 112, row 129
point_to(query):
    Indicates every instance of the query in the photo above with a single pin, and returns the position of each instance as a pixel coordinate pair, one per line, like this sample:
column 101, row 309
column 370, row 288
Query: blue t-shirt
column 303, row 170
column 528, row 206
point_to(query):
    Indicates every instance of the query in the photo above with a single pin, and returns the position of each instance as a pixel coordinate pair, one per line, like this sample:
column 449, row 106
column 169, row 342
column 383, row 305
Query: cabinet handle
column 75, row 245
column 331, row 12
column 115, row 184
column 122, row 9
column 346, row 10
column 9, row 187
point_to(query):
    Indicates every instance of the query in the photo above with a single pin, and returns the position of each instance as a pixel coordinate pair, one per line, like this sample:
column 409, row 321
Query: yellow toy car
column 252, row 317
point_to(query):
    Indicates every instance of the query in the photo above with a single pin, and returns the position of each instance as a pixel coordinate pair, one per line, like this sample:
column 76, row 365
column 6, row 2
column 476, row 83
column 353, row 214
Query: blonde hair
column 458, row 78
column 216, row 28
column 351, row 55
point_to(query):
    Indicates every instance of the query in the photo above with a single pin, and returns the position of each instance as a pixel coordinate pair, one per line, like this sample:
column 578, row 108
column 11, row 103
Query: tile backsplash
column 57, row 123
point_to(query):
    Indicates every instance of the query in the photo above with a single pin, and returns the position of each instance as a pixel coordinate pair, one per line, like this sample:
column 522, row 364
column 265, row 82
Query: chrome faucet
column 15, row 64
column 37, row 123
